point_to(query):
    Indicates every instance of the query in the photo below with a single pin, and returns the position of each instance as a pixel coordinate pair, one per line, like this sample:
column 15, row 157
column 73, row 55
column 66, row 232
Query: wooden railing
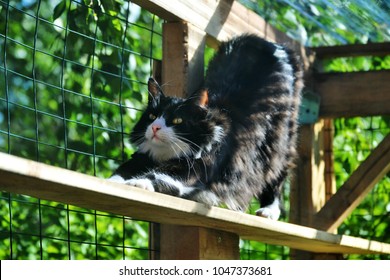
column 218, row 225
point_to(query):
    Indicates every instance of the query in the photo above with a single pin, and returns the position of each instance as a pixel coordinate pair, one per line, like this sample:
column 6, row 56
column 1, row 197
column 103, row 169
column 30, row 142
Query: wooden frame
column 215, row 231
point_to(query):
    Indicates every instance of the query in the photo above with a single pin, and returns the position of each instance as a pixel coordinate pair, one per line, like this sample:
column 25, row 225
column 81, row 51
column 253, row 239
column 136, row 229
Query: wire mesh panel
column 371, row 219
column 72, row 79
column 72, row 85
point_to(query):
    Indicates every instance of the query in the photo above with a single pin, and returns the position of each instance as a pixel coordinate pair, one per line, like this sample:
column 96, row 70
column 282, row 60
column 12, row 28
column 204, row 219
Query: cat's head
column 174, row 127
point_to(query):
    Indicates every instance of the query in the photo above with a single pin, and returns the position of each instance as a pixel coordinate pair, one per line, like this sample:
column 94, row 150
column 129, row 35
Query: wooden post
column 183, row 58
column 313, row 181
column 182, row 74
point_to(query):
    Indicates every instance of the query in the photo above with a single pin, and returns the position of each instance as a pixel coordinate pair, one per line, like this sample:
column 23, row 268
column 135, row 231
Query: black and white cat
column 232, row 140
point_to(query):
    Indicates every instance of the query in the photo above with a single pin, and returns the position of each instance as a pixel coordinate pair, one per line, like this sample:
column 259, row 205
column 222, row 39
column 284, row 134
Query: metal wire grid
column 53, row 227
column 34, row 107
column 47, row 117
column 371, row 219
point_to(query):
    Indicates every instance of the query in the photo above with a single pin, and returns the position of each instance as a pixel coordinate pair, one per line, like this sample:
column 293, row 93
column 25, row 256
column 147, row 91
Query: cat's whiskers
column 190, row 163
column 194, row 153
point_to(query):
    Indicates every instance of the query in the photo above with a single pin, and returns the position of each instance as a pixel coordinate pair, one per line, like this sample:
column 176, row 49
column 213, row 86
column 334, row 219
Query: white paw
column 145, row 184
column 269, row 212
column 116, row 179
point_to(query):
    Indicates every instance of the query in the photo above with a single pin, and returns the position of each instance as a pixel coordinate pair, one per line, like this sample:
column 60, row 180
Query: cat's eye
column 177, row 120
column 152, row 117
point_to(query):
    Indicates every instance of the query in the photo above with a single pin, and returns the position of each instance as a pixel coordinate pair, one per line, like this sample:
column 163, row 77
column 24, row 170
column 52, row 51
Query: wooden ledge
column 27, row 177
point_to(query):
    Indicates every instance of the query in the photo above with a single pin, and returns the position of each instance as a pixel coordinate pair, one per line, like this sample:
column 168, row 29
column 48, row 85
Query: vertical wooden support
column 183, row 58
column 197, row 243
column 330, row 179
column 182, row 74
column 313, row 182
column 308, row 191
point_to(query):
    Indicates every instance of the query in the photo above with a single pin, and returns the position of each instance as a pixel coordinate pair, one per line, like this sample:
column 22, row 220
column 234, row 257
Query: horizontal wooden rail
column 353, row 94
column 370, row 49
column 27, row 177
column 220, row 19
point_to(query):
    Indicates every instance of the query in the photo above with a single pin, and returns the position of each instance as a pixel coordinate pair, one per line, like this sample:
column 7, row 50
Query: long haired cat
column 232, row 140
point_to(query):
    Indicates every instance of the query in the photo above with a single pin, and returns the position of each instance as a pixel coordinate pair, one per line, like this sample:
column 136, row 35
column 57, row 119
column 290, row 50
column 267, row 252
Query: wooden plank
column 353, row 94
column 355, row 188
column 307, row 195
column 221, row 19
column 23, row 176
column 308, row 188
column 183, row 57
column 370, row 49
column 198, row 243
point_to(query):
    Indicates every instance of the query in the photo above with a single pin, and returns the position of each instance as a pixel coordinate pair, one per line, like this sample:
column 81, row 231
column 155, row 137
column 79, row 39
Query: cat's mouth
column 158, row 141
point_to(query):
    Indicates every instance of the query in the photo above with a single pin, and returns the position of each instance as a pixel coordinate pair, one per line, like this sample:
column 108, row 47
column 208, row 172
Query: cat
column 232, row 140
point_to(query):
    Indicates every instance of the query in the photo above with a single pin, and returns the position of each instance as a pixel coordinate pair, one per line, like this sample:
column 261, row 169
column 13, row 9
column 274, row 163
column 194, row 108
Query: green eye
column 177, row 121
column 152, row 117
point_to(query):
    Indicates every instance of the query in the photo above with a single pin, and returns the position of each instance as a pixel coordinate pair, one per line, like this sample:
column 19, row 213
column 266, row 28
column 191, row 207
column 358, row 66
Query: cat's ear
column 154, row 90
column 203, row 98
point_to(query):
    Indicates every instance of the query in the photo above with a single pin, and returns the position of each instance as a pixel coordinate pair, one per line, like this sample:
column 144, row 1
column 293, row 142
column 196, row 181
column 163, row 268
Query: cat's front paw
column 269, row 212
column 145, row 184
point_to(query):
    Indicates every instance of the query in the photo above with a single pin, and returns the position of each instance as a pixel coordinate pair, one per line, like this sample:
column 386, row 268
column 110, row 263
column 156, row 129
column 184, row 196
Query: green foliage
column 354, row 139
column 327, row 22
column 72, row 86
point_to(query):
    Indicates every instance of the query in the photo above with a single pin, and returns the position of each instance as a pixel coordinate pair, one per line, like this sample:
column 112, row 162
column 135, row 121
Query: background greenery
column 72, row 84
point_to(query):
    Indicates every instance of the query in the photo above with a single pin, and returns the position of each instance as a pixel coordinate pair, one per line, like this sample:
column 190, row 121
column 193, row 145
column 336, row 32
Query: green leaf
column 59, row 9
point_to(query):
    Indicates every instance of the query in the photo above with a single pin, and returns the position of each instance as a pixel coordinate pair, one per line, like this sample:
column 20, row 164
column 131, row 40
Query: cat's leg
column 270, row 211
column 203, row 196
column 270, row 203
column 142, row 183
column 160, row 182
column 163, row 183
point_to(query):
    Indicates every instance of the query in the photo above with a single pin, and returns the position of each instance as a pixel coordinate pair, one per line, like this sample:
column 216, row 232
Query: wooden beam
column 330, row 179
column 307, row 195
column 183, row 58
column 198, row 243
column 26, row 177
column 309, row 184
column 221, row 19
column 370, row 49
column 353, row 94
column 348, row 197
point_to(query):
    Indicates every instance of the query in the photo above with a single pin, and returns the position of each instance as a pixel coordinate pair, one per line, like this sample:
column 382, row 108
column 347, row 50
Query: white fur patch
column 145, row 184
column 271, row 211
column 116, row 178
column 280, row 52
column 183, row 189
column 217, row 137
column 164, row 144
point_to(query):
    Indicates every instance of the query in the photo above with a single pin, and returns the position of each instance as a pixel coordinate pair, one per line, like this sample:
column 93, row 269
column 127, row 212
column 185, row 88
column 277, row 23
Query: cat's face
column 173, row 127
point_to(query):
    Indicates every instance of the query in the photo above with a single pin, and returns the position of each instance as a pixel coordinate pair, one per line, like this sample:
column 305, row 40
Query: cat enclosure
column 82, row 90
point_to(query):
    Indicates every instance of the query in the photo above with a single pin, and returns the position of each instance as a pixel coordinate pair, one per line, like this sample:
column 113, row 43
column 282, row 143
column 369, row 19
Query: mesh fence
column 371, row 219
column 72, row 85
column 72, row 79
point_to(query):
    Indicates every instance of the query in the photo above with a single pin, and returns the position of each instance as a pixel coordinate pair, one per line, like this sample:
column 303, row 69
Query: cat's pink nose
column 155, row 128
